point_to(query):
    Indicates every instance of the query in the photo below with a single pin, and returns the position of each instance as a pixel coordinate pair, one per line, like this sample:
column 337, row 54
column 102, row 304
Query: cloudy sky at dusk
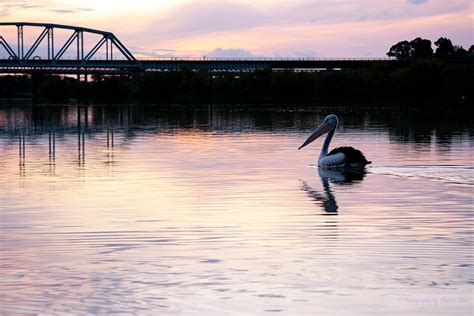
column 246, row 28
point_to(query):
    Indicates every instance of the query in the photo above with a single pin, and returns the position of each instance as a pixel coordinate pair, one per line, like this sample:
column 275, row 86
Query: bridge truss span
column 24, row 55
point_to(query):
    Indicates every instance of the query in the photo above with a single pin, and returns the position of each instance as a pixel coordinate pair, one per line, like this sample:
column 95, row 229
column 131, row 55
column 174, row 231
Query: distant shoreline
column 422, row 82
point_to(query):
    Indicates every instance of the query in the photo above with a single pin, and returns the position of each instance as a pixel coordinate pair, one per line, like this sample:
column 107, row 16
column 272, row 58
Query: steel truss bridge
column 119, row 60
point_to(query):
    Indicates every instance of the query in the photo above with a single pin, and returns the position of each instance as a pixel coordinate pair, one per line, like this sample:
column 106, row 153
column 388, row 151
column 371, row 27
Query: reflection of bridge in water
column 43, row 130
column 117, row 59
column 82, row 134
column 45, row 135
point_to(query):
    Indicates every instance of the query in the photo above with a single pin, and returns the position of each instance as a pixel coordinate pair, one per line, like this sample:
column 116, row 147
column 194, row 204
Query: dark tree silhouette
column 459, row 51
column 421, row 48
column 445, row 48
column 417, row 48
column 401, row 50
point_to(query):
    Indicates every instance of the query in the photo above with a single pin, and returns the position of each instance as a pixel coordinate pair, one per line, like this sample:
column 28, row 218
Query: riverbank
column 424, row 81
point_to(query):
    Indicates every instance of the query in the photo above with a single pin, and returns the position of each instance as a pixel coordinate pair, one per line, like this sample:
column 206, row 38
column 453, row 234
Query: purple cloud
column 231, row 53
column 417, row 1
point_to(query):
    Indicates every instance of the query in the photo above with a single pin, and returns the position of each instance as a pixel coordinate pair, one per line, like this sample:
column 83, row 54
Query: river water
column 212, row 210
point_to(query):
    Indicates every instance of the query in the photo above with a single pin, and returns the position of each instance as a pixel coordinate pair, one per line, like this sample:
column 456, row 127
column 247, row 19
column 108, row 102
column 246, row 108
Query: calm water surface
column 213, row 211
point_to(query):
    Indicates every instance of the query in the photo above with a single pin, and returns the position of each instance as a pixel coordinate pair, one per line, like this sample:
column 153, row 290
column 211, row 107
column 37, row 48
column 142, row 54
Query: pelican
column 340, row 156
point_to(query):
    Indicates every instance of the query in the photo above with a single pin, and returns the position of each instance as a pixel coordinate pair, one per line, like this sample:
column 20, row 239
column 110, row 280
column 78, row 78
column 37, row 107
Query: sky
column 256, row 28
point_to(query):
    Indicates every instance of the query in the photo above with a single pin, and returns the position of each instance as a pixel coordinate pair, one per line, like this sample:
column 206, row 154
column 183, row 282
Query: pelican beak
column 321, row 130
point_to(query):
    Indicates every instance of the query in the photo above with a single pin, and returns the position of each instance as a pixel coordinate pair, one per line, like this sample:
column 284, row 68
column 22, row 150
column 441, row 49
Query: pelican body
column 340, row 156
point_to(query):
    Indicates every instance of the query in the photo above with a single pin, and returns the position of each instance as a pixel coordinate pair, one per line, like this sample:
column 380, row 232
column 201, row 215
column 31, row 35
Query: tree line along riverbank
column 424, row 79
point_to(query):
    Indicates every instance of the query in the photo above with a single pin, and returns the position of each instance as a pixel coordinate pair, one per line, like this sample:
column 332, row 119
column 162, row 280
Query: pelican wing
column 352, row 155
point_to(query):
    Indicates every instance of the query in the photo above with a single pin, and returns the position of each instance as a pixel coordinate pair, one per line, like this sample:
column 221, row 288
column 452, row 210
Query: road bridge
column 44, row 55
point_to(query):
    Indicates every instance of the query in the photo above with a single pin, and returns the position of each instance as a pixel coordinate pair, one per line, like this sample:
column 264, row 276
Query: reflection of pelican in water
column 337, row 176
column 340, row 156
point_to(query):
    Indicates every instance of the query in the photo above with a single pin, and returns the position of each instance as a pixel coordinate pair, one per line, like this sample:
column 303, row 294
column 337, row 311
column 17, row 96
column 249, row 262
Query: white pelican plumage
column 340, row 156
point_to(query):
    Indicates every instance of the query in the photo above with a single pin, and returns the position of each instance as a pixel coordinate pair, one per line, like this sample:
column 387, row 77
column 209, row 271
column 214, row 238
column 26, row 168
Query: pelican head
column 329, row 124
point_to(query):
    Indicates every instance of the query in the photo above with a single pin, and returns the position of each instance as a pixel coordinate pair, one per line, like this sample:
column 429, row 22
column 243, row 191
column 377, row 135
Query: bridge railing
column 205, row 58
column 199, row 59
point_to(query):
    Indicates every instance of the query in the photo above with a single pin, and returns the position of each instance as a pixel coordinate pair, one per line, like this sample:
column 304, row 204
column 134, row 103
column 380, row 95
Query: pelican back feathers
column 353, row 156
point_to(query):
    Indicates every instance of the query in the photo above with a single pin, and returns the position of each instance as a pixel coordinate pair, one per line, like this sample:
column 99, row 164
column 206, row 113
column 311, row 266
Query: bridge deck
column 237, row 65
